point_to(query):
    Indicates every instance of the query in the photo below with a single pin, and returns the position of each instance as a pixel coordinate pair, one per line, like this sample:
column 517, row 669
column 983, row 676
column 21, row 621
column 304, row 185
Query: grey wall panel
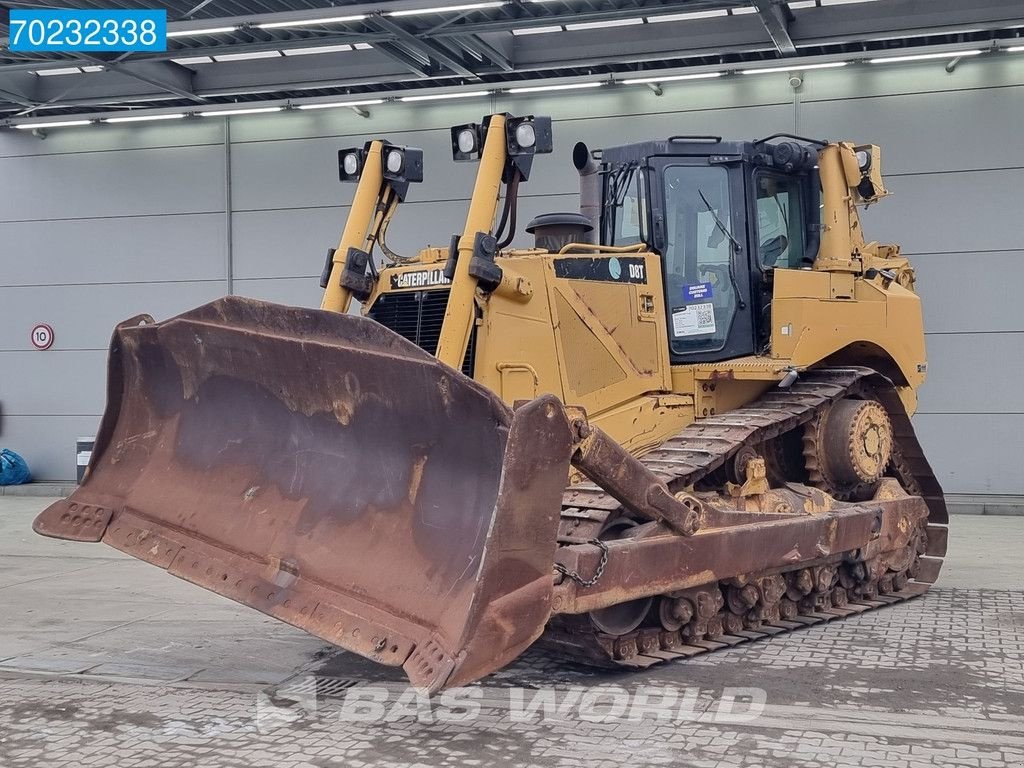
column 149, row 181
column 388, row 119
column 976, row 454
column 945, row 212
column 956, row 138
column 290, row 243
column 83, row 316
column 960, row 363
column 919, row 77
column 48, row 442
column 52, row 383
column 305, row 172
column 122, row 249
column 971, row 291
column 103, row 138
column 293, row 291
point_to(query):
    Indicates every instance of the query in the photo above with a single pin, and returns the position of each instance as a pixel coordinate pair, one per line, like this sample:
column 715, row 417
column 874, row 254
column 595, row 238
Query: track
column 760, row 605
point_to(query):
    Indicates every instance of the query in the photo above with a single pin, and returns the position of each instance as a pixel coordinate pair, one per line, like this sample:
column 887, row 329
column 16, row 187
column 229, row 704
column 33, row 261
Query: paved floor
column 107, row 661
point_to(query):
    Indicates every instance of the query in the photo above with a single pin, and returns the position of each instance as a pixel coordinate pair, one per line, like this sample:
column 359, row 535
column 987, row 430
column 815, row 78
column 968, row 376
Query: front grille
column 417, row 316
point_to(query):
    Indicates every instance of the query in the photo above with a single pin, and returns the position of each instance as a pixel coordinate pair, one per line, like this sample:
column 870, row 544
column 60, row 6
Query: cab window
column 629, row 212
column 780, row 225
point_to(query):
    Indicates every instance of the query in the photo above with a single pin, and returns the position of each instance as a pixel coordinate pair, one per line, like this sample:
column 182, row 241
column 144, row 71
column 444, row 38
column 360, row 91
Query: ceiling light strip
column 439, row 96
column 230, row 112
column 338, row 104
column 560, row 87
column 580, row 26
column 688, row 16
column 671, row 78
column 447, row 8
column 794, row 67
column 312, row 22
column 54, row 124
column 142, row 118
column 925, row 56
column 201, row 31
column 536, row 30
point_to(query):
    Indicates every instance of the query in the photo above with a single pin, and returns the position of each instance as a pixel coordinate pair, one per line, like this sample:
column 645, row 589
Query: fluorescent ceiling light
column 60, row 124
column 228, row 112
column 207, row 31
column 334, row 104
column 844, row 2
column 742, row 11
column 316, row 49
column 603, row 24
column 60, row 71
column 799, row 5
column 446, row 9
column 671, row 78
column 563, row 87
column 247, row 56
column 1015, row 49
column 687, row 16
column 311, row 22
column 362, row 46
column 141, row 118
column 436, row 96
column 794, row 67
column 193, row 60
column 93, row 68
column 536, row 30
column 924, row 56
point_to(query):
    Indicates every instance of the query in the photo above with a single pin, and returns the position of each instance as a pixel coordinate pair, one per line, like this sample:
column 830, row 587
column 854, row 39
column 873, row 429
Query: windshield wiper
column 736, row 248
column 719, row 223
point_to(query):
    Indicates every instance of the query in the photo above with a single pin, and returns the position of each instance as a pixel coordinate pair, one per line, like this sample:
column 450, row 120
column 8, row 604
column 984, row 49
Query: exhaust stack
column 590, row 188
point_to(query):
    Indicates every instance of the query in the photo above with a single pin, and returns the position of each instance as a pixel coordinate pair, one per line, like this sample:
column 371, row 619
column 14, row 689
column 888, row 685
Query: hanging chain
column 597, row 574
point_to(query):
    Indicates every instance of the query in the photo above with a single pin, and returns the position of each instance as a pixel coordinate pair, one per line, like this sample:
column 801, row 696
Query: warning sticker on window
column 694, row 320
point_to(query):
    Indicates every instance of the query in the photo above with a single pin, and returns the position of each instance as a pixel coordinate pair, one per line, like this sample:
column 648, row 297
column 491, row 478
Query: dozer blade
column 321, row 469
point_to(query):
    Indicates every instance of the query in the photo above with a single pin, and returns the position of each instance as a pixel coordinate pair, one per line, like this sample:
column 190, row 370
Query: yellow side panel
column 515, row 350
column 589, row 366
column 881, row 327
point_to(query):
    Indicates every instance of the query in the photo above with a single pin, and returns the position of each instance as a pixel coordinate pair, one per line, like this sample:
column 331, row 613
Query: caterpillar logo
column 423, row 278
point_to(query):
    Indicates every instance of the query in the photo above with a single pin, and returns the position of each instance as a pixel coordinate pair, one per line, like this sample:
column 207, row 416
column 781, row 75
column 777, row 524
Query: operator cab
column 723, row 215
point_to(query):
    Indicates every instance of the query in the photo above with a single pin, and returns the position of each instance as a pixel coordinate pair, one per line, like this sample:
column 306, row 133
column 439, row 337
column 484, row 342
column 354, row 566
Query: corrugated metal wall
column 101, row 223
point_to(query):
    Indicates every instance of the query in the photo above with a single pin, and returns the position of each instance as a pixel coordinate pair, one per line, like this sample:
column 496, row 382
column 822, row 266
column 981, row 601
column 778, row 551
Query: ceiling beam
column 431, row 48
column 164, row 75
column 146, row 77
column 15, row 98
column 478, row 45
column 412, row 63
column 776, row 16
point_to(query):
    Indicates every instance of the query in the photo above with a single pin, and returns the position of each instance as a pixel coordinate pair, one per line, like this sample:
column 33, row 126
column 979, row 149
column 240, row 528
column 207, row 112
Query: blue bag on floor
column 13, row 469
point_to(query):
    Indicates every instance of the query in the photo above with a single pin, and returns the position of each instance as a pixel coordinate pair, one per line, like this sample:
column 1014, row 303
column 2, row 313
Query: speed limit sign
column 42, row 336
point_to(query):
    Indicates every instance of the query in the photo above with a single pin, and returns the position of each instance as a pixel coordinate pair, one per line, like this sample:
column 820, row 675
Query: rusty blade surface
column 321, row 469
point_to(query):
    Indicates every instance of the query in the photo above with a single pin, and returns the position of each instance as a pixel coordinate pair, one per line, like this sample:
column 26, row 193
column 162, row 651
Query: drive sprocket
column 848, row 447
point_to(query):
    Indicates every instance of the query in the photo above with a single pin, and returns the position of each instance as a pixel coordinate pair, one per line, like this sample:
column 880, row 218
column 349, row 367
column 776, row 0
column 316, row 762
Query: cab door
column 699, row 225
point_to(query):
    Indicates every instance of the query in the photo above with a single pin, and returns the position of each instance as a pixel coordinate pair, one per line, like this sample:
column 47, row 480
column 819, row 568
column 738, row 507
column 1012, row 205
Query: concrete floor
column 108, row 661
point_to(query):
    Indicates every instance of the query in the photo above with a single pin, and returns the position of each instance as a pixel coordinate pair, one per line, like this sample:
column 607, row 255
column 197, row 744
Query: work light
column 350, row 163
column 402, row 163
column 467, row 141
column 528, row 135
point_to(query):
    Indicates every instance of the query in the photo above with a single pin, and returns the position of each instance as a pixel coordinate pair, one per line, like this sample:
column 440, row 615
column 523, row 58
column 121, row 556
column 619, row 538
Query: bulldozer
column 679, row 422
